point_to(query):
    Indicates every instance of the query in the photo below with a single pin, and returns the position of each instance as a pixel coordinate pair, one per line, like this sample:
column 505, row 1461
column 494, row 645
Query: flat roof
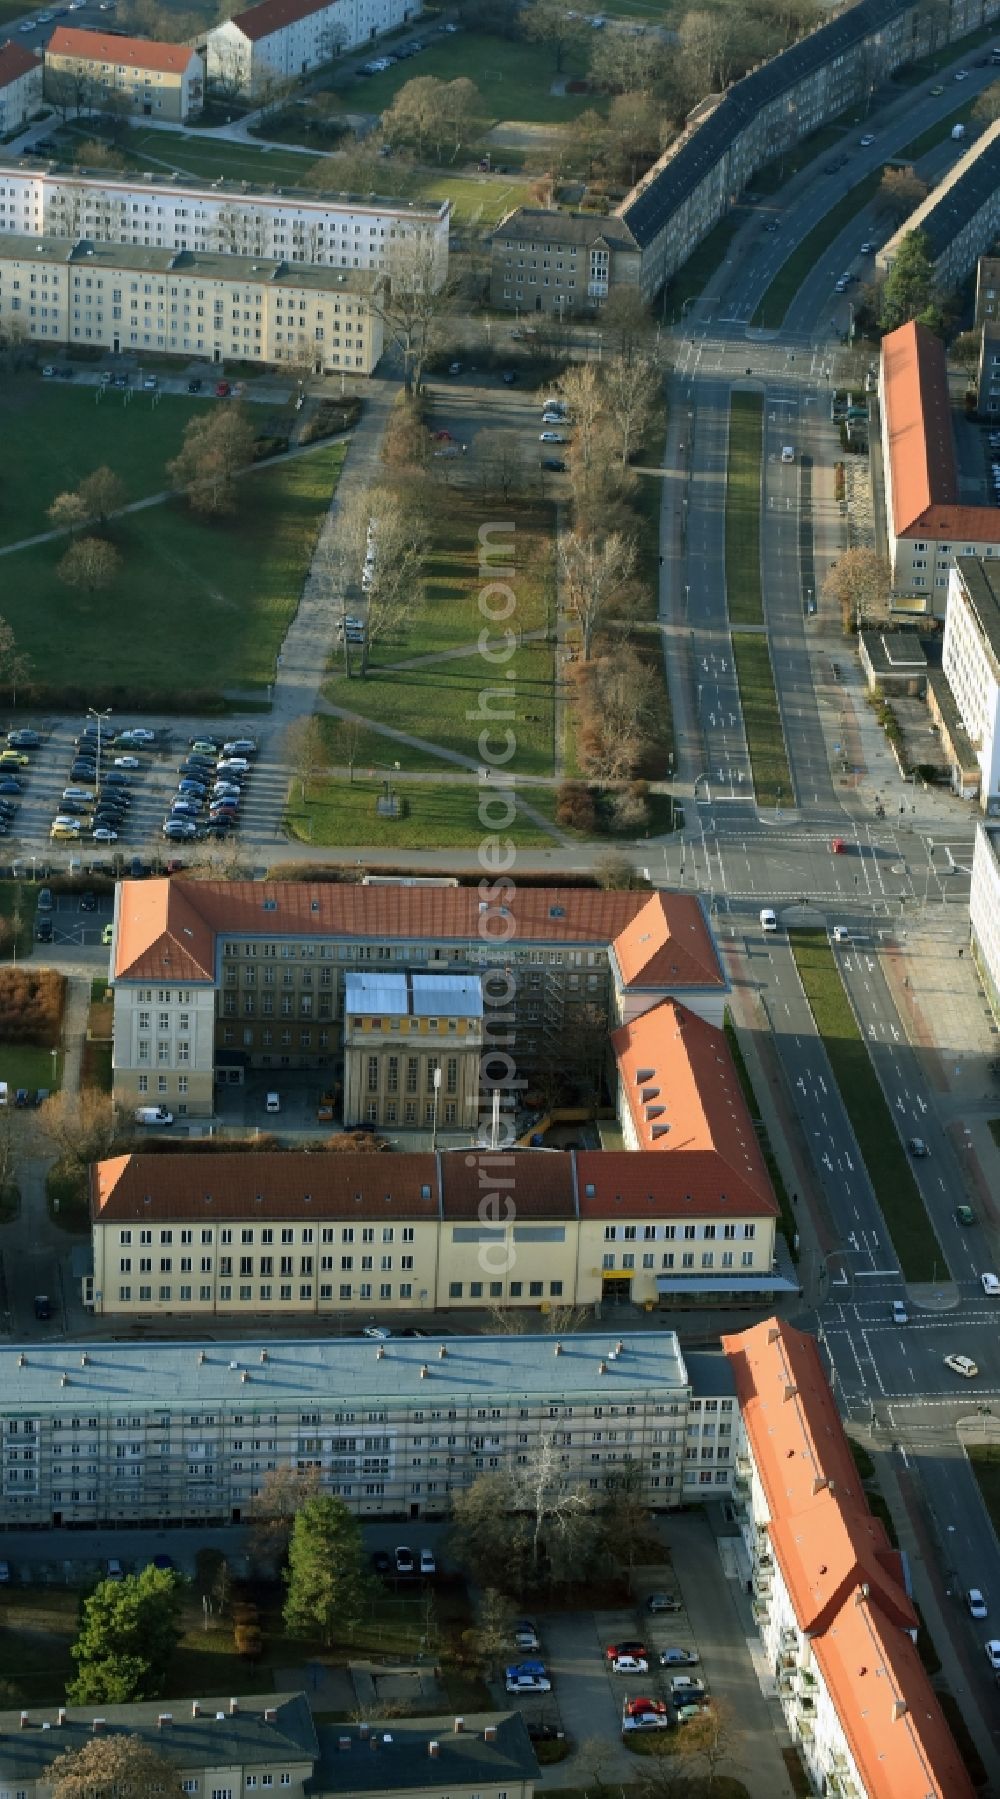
column 109, row 180
column 191, row 265
column 395, row 1755
column 251, row 1374
column 414, row 995
column 895, row 652
column 981, row 583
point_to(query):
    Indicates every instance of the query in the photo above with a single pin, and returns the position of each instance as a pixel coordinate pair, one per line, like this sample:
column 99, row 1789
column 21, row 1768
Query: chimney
column 164, row 1719
column 380, row 1353
column 263, row 1355
column 61, row 1715
column 774, row 1334
column 602, row 1367
column 459, row 1726
column 270, row 1714
column 490, row 1734
column 620, row 1347
column 24, row 1720
column 442, row 1352
column 899, row 1710
column 22, row 1360
column 557, row 1349
column 195, row 1709
column 234, row 1706
column 373, row 1742
column 434, row 1750
column 201, row 1357
column 98, row 1727
column 424, row 1372
column 84, row 1360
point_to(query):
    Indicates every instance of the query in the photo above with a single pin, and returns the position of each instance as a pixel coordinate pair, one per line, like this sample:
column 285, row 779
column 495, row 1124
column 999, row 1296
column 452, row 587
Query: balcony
column 760, row 1608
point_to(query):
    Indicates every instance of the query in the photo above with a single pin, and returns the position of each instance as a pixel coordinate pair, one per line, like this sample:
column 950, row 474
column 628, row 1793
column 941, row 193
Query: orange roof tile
column 667, row 943
column 271, row 1184
column 273, row 15
column 190, row 912
column 136, row 52
column 842, row 1575
column 16, row 61
column 681, row 1088
column 921, row 444
column 617, row 1183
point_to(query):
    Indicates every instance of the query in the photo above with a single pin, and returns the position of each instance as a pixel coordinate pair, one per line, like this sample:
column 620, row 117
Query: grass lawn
column 889, row 1170
column 475, row 199
column 348, row 744
column 743, row 510
column 217, row 597
column 514, row 79
column 22, row 1065
column 936, row 134
column 772, row 777
column 204, row 157
column 783, row 289
column 338, row 812
column 62, row 433
column 433, row 703
column 694, row 275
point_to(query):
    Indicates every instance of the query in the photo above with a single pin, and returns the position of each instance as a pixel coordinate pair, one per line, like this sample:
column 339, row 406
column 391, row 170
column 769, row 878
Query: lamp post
column 434, row 1126
column 92, row 712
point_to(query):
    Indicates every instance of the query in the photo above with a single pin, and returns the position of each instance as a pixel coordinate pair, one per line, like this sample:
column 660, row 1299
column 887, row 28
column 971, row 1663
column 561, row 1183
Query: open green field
column 514, row 77
column 743, row 510
column 912, row 1234
column 56, row 433
column 25, row 1065
column 442, row 815
column 475, row 199
column 772, row 777
column 201, row 156
column 779, row 295
column 197, row 604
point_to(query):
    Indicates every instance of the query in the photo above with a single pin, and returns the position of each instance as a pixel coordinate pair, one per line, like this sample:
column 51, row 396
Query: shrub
column 629, row 809
column 330, row 418
column 31, row 1006
column 575, row 806
column 247, row 1641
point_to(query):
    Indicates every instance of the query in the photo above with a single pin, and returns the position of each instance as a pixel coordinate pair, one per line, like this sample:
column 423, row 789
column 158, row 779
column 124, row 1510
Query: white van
column 787, row 453
column 768, row 919
column 153, row 1115
column 272, row 1103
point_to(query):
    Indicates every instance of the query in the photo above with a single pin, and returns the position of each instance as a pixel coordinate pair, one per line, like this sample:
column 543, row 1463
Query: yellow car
column 65, row 833
column 13, row 759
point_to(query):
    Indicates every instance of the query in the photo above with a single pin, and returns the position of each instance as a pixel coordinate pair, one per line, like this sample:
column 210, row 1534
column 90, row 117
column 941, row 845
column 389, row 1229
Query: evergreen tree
column 326, row 1581
column 128, row 1632
column 909, row 285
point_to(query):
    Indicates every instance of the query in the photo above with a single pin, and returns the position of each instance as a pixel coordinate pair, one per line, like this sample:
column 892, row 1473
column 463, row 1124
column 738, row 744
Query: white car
column 962, row 75
column 867, row 140
column 127, row 762
column 991, row 1285
column 104, row 834
column 232, row 765
column 993, row 1653
column 528, row 1683
column 552, row 437
column 141, row 734
column 630, row 1664
column 977, row 1605
column 525, row 1634
column 427, row 1563
column 404, row 1559
column 379, row 1332
column 962, row 1364
column 687, row 1684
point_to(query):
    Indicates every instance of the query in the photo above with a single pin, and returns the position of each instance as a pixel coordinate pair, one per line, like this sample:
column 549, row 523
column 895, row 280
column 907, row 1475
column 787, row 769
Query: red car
column 614, row 1650
column 634, row 1708
column 222, row 390
column 443, row 437
column 838, row 846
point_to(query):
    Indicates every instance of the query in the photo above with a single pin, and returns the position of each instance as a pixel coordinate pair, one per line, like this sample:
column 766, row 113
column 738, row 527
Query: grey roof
column 538, row 225
column 214, row 1739
column 402, row 1759
column 710, row 1372
column 941, row 220
column 894, row 652
column 267, row 271
column 981, row 581
column 413, row 995
column 372, row 994
column 648, row 213
column 251, row 1375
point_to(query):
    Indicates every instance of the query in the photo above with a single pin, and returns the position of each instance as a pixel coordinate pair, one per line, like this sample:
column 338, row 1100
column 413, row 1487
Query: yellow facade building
column 84, row 70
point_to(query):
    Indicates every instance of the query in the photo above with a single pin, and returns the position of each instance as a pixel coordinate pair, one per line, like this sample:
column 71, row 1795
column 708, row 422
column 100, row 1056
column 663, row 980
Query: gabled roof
column 536, row 224
column 395, row 1756
column 967, row 187
column 203, row 1733
column 273, row 15
column 500, row 1189
column 272, row 1184
column 133, row 52
column 161, row 935
column 681, row 1088
column 843, row 1577
column 923, row 471
column 16, row 61
column 668, row 944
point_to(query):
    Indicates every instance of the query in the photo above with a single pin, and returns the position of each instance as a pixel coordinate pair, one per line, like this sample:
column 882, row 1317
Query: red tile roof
column 136, row 52
column 618, row 1183
column 921, row 444
column 499, row 1189
column 683, row 1095
column 273, row 15
column 269, row 1185
column 188, row 914
column 667, row 944
column 16, row 61
column 842, row 1575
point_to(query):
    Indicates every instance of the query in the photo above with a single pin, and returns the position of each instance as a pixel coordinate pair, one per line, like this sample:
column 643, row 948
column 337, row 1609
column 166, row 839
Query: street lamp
column 434, row 1126
column 92, row 712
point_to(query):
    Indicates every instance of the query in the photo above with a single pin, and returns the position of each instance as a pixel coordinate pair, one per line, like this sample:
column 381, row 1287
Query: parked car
column 382, row 1562
column 630, row 1664
column 43, row 1307
column 404, row 1559
column 519, row 1682
column 614, row 1650
column 678, row 1658
column 428, row 1565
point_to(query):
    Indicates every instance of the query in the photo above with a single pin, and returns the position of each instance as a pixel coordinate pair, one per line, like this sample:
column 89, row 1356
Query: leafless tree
column 15, row 666
column 113, row 1767
column 580, row 387
column 386, row 525
column 90, row 562
column 548, row 22
column 594, row 573
column 274, row 1507
column 305, row 750
column 500, row 462
column 631, row 385
column 414, row 301
column 859, row 583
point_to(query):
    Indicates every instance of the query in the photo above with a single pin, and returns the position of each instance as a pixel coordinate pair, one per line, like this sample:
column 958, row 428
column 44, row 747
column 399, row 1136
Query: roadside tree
column 327, row 1587
column 626, row 323
column 129, row 1630
column 305, row 750
column 987, row 106
column 490, row 1641
column 900, row 192
column 594, row 573
column 859, row 584
column 631, row 387
column 396, row 549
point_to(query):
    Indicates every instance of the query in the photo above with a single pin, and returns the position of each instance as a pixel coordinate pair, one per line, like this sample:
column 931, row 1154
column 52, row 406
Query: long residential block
column 118, row 1433
column 266, row 47
column 959, row 218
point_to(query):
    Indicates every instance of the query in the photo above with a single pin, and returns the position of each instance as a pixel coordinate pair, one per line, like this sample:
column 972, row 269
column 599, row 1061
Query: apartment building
column 971, row 665
column 560, row 262
column 836, row 1623
column 279, row 41
column 125, row 1434
column 347, row 232
column 87, row 69
column 61, row 291
column 20, row 87
column 987, row 290
column 270, row 1742
column 984, row 910
column 732, row 135
column 413, row 1044
column 988, row 375
column 928, row 528
column 959, row 218
column 213, row 979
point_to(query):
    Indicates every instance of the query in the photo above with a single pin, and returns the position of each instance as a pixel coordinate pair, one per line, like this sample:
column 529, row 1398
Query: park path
column 75, row 1018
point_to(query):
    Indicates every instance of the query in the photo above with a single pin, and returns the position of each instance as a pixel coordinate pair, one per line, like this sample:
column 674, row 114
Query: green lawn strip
column 475, row 199
column 772, row 178
column 889, row 1170
column 743, row 509
column 935, row 134
column 984, row 1459
column 445, row 815
column 64, row 432
column 197, row 604
column 514, row 78
column 694, row 275
column 433, row 702
column 778, row 297
column 772, row 777
column 786, row 1220
column 23, row 1065
column 347, row 743
column 994, row 1128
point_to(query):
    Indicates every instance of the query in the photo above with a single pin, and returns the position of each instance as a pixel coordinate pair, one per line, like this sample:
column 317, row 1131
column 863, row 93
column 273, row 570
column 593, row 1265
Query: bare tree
column 563, row 1521
column 491, row 1638
column 414, row 301
column 581, row 389
column 548, row 22
column 626, row 322
column 216, row 446
column 631, row 385
column 901, row 191
column 987, row 106
column 594, row 573
column 621, row 709
column 101, row 493
column 82, row 1125
column 15, row 666
column 859, row 583
column 305, row 749
column 626, row 62
column 500, row 461
column 90, row 562
column 113, row 1767
column 386, row 529
column 274, row 1507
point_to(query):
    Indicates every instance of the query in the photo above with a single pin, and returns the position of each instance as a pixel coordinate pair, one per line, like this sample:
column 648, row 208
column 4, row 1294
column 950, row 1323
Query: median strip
column 778, row 297
column 772, row 777
column 746, row 427
column 913, row 1237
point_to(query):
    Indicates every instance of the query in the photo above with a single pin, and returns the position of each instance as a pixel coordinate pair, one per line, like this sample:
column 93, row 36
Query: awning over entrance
column 725, row 1283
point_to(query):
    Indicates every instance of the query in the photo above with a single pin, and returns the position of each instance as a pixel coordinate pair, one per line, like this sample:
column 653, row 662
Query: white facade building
column 21, row 76
column 971, row 663
column 984, row 910
column 340, row 231
column 282, row 40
